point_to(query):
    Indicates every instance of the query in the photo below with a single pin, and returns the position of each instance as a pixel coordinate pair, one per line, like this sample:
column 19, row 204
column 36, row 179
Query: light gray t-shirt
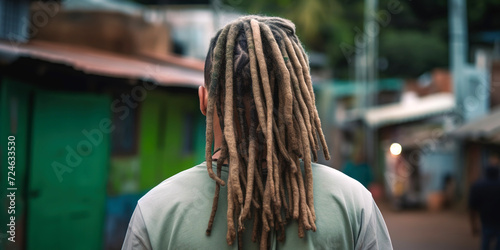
column 174, row 215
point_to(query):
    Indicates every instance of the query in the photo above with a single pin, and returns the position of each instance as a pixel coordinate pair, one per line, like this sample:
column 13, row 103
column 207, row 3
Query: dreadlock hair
column 257, row 75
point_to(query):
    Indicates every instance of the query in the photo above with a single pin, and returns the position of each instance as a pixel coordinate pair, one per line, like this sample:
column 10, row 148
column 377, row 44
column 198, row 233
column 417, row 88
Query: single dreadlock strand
column 243, row 124
column 284, row 75
column 214, row 209
column 230, row 214
column 218, row 54
column 268, row 189
column 295, row 180
column 296, row 195
column 242, row 177
column 265, row 219
column 220, row 161
column 215, row 202
column 244, row 184
column 276, row 176
column 229, row 131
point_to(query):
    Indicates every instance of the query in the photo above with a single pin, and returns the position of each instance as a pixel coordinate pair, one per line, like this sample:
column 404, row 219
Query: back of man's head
column 258, row 81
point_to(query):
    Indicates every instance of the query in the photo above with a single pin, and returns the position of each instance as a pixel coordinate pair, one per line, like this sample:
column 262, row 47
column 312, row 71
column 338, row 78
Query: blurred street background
column 101, row 98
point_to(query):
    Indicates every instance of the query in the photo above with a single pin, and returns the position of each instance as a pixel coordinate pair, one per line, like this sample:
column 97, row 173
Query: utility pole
column 366, row 73
column 366, row 66
column 458, row 51
column 371, row 52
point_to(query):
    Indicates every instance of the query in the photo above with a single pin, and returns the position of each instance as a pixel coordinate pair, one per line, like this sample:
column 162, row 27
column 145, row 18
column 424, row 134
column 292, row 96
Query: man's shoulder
column 179, row 185
column 334, row 177
column 332, row 182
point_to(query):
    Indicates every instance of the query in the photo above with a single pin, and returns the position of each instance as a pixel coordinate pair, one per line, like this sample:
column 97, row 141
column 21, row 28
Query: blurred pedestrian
column 261, row 117
column 485, row 200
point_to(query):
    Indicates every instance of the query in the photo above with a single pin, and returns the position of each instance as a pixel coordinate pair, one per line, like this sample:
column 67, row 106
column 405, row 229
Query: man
column 261, row 117
column 485, row 201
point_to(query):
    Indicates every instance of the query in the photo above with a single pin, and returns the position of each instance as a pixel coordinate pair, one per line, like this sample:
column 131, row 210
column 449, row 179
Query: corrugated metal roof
column 485, row 128
column 167, row 71
column 401, row 112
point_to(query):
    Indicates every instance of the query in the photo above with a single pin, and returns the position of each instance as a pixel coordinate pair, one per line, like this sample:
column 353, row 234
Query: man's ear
column 203, row 95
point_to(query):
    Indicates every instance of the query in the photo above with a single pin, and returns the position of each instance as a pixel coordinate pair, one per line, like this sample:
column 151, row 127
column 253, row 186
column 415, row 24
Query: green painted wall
column 171, row 136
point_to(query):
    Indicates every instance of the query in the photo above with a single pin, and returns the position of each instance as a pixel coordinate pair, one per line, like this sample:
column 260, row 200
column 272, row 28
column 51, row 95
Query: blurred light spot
column 396, row 149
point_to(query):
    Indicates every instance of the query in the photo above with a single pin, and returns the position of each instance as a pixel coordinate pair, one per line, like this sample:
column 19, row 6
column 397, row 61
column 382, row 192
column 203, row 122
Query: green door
column 69, row 166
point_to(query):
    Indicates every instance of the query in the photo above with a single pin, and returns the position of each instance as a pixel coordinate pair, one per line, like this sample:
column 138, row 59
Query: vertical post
column 458, row 59
column 370, row 56
column 371, row 31
column 458, row 51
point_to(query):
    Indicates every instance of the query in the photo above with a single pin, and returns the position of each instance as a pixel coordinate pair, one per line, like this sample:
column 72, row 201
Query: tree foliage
column 414, row 41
